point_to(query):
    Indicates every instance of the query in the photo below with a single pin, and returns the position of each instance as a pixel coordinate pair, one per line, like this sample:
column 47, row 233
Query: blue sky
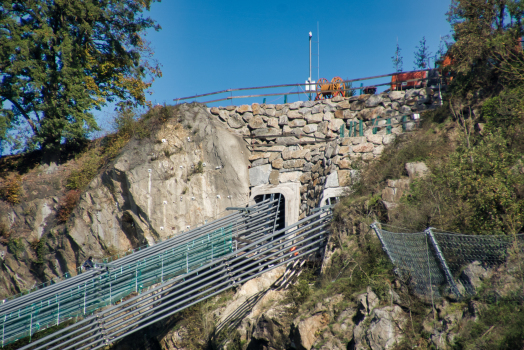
column 206, row 46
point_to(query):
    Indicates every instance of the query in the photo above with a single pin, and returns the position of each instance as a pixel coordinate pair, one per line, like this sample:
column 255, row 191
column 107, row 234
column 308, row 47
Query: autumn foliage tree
column 60, row 59
column 486, row 44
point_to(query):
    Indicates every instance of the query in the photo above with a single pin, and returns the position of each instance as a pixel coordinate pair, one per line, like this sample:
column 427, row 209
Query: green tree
column 422, row 55
column 61, row 59
column 397, row 59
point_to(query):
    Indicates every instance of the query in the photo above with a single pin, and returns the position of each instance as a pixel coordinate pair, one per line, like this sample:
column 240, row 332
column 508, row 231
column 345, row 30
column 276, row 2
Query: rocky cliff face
column 186, row 173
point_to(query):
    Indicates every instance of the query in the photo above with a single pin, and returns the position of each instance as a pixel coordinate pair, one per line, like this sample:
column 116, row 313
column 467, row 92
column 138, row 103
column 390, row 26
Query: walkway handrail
column 297, row 84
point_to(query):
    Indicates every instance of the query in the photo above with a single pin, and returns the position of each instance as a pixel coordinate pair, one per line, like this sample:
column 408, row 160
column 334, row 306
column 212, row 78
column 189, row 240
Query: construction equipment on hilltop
column 325, row 89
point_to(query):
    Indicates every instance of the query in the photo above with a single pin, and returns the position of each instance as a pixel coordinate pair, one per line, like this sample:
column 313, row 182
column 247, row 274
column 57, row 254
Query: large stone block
column 405, row 110
column 375, row 100
column 278, row 163
column 295, row 105
column 272, row 122
column 335, row 124
column 291, row 176
column 273, row 177
column 255, row 107
column 305, row 177
column 256, row 123
column 235, row 121
column 363, row 148
column 259, row 162
column 294, row 115
column 389, row 139
column 378, row 150
column 332, row 180
column 295, row 163
column 266, row 131
column 310, row 128
column 376, row 139
column 214, row 110
column 396, row 95
column 283, row 120
column 259, row 155
column 304, row 111
column 339, row 114
column 344, row 150
column 223, row 115
column 314, row 118
column 344, row 105
column 297, row 123
column 357, row 105
column 344, row 164
column 259, row 175
column 243, row 109
column 344, row 178
column 417, row 170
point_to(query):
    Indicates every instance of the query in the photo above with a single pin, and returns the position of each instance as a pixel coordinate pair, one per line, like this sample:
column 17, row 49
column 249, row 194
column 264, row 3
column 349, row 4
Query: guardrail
column 311, row 87
column 103, row 286
column 257, row 254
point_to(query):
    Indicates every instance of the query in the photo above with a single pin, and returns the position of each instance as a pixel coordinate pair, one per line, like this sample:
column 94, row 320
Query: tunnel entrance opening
column 280, row 206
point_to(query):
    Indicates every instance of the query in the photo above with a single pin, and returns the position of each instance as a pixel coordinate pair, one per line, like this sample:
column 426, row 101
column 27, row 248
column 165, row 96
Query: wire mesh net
column 437, row 264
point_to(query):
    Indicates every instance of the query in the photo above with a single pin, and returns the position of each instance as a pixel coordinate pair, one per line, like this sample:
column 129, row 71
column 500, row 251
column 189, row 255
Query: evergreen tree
column 61, row 59
column 422, row 55
column 397, row 60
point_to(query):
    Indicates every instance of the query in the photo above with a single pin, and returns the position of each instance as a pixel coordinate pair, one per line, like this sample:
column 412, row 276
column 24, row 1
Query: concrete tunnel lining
column 291, row 193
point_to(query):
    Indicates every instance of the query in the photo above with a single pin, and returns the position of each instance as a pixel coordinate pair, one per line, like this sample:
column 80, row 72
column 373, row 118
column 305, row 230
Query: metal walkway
column 133, row 292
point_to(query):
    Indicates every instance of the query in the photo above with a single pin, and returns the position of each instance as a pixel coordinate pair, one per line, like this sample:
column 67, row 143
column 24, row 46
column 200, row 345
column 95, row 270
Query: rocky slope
column 186, row 173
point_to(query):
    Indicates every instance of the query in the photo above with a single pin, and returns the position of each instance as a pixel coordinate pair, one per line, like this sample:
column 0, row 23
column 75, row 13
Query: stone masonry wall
column 327, row 160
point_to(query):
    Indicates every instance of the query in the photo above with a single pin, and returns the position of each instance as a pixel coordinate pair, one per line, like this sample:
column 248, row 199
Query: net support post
column 443, row 263
column 381, row 239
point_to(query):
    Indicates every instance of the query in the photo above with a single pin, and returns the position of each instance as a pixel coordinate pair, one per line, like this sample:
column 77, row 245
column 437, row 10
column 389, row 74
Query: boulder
column 272, row 122
column 363, row 148
column 294, row 115
column 256, row 123
column 243, row 109
column 310, row 128
column 283, row 120
column 385, row 329
column 235, row 121
column 389, row 139
column 376, row 100
column 278, row 163
column 473, row 276
column 305, row 332
column 396, row 95
column 375, row 139
column 255, row 107
column 295, row 105
column 297, row 123
column 417, row 170
column 223, row 115
column 314, row 118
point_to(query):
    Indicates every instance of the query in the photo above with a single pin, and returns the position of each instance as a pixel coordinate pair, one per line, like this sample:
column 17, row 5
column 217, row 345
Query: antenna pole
column 309, row 79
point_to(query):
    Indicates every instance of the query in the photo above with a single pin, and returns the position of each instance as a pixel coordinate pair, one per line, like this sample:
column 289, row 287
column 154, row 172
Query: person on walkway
column 89, row 264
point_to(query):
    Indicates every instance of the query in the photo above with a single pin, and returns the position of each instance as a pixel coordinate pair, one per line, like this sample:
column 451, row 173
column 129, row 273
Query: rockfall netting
column 436, row 264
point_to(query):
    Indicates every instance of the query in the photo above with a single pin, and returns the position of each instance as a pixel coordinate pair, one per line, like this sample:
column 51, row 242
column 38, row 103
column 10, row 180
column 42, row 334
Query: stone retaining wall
column 327, row 160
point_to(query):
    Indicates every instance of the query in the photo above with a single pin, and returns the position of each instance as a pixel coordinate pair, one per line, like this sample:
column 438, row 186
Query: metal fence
column 110, row 283
column 254, row 254
column 436, row 264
